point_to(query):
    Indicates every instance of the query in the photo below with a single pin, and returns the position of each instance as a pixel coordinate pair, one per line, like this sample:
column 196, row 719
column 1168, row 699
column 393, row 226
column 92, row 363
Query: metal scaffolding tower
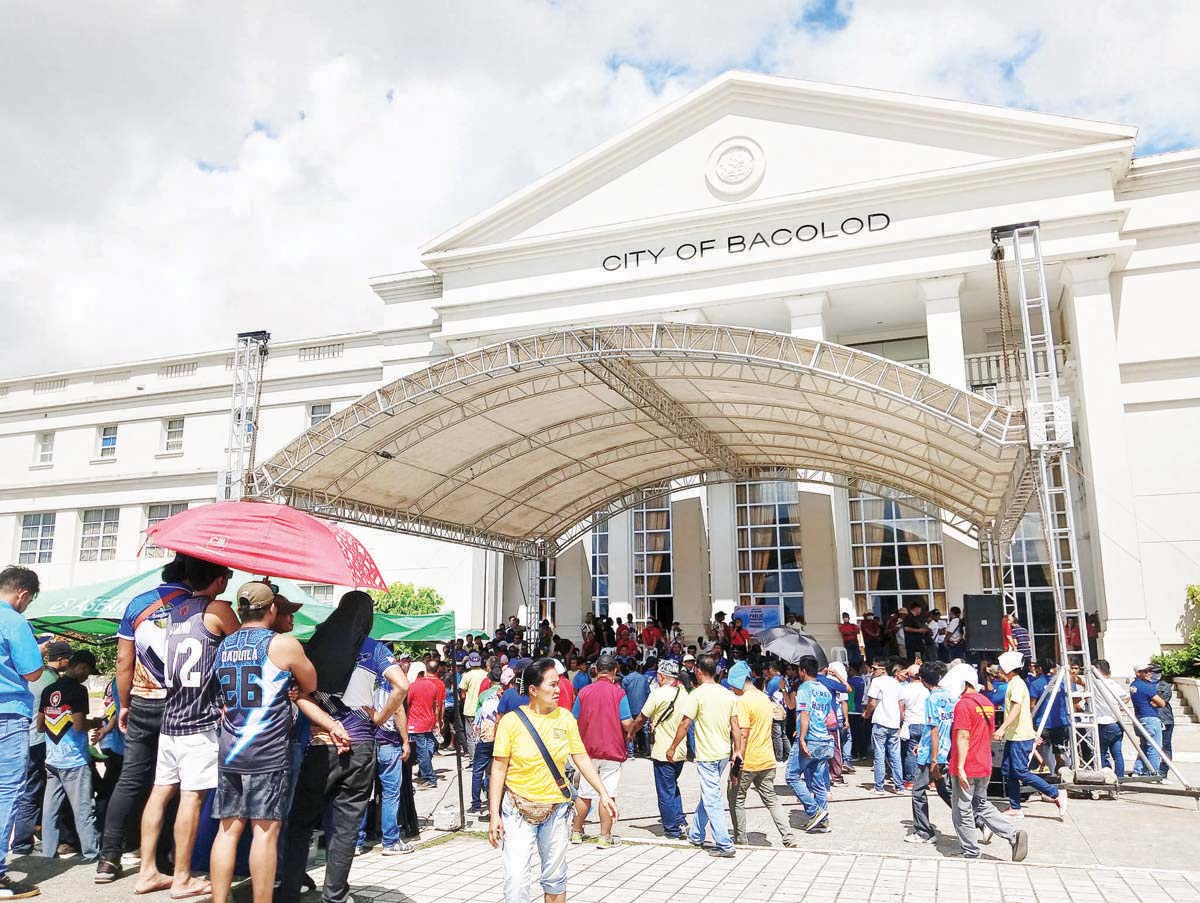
column 1048, row 415
column 249, row 356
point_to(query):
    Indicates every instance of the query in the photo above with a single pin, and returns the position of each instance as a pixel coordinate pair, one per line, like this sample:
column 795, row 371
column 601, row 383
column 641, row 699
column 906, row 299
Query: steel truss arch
column 513, row 445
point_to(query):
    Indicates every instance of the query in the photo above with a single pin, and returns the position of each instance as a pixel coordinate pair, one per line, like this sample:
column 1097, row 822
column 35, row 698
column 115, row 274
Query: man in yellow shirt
column 668, row 704
column 715, row 738
column 753, row 716
column 1018, row 735
column 468, row 694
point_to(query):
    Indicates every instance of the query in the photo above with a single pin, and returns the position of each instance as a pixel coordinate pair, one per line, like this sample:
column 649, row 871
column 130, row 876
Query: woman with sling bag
column 530, row 802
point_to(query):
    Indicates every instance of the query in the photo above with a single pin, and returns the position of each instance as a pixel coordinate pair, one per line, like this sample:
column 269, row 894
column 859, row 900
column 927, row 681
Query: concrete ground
column 1139, row 847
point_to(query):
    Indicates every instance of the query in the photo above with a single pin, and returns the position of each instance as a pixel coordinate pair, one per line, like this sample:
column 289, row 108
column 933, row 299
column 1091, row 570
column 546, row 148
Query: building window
column 156, row 514
column 547, row 580
column 600, row 568
column 45, row 449
column 1032, row 586
column 322, row 592
column 653, row 596
column 173, row 434
column 768, row 546
column 37, row 539
column 897, row 555
column 900, row 350
column 108, row 441
column 319, row 411
column 99, row 540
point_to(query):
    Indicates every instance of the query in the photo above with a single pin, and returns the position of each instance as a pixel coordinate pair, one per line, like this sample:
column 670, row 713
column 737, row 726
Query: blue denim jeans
column 481, row 766
column 14, row 751
column 426, row 745
column 1167, row 747
column 670, row 803
column 1111, row 738
column 389, row 761
column 1153, row 727
column 909, row 754
column 1015, row 769
column 74, row 785
column 27, row 814
column 710, row 811
column 550, row 839
column 808, row 776
column 885, row 742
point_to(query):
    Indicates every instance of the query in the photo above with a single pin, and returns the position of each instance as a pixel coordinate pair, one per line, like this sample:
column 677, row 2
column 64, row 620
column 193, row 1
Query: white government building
column 854, row 216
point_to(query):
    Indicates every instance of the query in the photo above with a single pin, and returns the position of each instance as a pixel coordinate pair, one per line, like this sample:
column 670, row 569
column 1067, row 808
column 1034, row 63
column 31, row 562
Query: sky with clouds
column 175, row 173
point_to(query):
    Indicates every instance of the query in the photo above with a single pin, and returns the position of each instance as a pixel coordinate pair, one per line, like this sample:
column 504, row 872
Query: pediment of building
column 748, row 138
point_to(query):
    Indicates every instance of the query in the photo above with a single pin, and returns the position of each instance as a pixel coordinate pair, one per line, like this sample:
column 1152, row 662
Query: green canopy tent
column 91, row 613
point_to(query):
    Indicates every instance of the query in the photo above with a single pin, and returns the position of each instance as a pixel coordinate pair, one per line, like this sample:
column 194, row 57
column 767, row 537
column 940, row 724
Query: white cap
column 559, row 668
column 415, row 670
column 1011, row 661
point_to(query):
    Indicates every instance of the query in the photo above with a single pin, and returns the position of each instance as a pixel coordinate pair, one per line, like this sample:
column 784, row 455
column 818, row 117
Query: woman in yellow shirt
column 534, row 805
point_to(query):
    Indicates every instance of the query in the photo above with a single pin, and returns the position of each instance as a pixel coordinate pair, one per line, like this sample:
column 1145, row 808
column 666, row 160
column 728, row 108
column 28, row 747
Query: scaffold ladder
column 249, row 356
column 1048, row 420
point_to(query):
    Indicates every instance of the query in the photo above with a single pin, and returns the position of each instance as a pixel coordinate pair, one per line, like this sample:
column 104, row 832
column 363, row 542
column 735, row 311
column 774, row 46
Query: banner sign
column 757, row 618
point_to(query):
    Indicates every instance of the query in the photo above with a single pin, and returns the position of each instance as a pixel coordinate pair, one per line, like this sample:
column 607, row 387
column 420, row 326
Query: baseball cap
column 559, row 668
column 689, row 658
column 738, row 675
column 285, row 606
column 1011, row 661
column 254, row 594
column 86, row 656
column 474, row 660
column 404, row 657
column 58, row 649
column 507, row 676
column 668, row 668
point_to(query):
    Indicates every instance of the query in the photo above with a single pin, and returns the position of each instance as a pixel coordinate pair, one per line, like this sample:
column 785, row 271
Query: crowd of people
column 213, row 696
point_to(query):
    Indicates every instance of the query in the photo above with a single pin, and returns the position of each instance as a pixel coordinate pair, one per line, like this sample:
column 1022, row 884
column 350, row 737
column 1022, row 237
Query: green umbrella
column 92, row 613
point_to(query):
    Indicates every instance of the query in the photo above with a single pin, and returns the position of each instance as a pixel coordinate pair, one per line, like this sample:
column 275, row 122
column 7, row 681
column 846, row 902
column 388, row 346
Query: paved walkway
column 467, row 870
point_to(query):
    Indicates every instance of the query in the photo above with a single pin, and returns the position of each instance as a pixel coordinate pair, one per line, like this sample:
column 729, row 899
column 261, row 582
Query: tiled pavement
column 467, row 870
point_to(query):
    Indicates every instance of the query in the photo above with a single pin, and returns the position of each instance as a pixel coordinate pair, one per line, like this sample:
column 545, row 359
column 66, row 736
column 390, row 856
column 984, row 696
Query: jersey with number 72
column 191, row 706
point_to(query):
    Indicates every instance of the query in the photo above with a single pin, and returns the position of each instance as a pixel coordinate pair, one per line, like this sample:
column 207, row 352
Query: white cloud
column 115, row 243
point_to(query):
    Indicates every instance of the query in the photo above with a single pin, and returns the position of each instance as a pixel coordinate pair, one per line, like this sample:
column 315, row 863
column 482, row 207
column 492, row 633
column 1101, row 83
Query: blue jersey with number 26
column 256, row 717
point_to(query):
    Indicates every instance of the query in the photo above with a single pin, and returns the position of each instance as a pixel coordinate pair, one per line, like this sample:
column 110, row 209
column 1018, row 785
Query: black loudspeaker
column 983, row 618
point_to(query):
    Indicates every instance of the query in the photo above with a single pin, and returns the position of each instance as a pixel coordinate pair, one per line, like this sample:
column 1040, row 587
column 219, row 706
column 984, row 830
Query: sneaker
column 1020, row 846
column 15, row 890
column 716, row 853
column 360, row 851
column 475, row 810
column 964, row 855
column 822, row 828
column 908, row 786
column 815, row 819
column 1014, row 813
column 1061, row 802
column 702, row 844
column 107, row 872
column 914, row 837
column 789, row 841
column 576, row 837
column 66, row 851
column 985, row 834
column 848, row 769
column 607, row 843
column 877, row 791
column 399, row 848
column 132, row 859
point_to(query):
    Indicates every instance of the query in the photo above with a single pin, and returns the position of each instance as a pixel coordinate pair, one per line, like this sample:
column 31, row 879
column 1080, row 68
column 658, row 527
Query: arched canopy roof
column 512, row 446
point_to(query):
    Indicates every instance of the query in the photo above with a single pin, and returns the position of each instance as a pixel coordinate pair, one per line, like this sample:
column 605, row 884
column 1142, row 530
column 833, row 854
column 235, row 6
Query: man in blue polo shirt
column 1143, row 692
column 20, row 662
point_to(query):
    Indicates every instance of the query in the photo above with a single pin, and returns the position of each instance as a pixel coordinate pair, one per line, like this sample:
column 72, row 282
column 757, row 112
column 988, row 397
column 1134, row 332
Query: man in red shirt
column 971, row 769
column 566, row 692
column 426, row 698
column 651, row 635
column 849, row 631
column 605, row 720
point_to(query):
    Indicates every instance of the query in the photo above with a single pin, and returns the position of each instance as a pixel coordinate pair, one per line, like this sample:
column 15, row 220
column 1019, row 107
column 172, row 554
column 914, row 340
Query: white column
column 943, row 326
column 1109, row 501
column 620, row 565
column 808, row 313
column 809, row 316
column 722, row 547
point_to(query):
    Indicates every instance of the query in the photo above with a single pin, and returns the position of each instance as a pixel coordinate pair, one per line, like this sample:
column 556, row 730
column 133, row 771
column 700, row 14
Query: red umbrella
column 270, row 539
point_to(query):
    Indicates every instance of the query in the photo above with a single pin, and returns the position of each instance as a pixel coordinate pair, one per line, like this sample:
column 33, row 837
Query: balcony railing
column 985, row 373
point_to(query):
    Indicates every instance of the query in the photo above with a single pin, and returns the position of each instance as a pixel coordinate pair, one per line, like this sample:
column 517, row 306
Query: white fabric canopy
column 512, row 446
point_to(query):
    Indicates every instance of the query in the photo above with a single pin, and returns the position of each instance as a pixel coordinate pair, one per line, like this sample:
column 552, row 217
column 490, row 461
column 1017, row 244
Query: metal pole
column 1145, row 733
column 457, row 738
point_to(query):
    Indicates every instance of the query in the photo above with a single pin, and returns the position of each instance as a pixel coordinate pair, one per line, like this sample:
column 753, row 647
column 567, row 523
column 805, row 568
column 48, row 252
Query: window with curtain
column 897, row 552
column 653, row 596
column 156, row 514
column 770, row 570
column 547, row 579
column 600, row 568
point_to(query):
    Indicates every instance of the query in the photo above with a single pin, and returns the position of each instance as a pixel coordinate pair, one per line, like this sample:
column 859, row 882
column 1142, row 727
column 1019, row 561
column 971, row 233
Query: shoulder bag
column 537, row 813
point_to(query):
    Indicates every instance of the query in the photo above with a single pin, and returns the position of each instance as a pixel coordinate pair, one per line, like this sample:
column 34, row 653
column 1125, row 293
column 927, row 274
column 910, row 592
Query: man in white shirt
column 912, row 698
column 885, row 712
column 1108, row 718
column 940, row 627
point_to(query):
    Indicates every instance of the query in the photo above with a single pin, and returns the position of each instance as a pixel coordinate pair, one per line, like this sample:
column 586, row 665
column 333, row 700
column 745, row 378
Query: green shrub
column 1185, row 662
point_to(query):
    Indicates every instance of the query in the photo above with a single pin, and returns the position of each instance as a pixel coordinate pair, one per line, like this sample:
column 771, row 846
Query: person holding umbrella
column 348, row 662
